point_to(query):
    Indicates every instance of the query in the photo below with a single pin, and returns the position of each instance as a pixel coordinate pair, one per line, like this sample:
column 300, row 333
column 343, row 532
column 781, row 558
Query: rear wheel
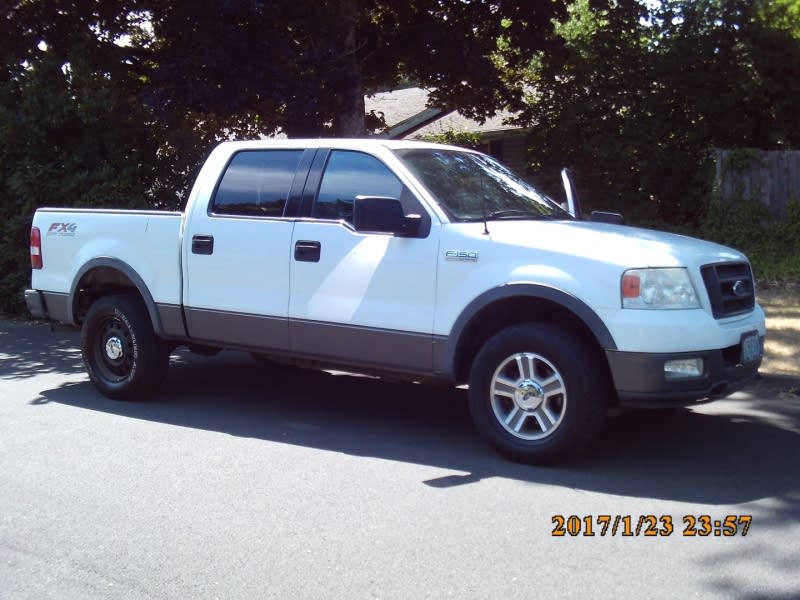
column 537, row 392
column 123, row 356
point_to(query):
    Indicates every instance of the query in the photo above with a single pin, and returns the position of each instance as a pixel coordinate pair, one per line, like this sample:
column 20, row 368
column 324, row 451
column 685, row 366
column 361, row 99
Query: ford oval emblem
column 741, row 289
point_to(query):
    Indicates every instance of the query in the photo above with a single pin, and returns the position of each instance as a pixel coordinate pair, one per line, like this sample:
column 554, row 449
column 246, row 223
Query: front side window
column 350, row 174
column 257, row 183
column 473, row 187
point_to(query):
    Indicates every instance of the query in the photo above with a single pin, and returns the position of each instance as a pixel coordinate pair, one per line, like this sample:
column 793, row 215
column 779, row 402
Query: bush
column 773, row 246
column 453, row 137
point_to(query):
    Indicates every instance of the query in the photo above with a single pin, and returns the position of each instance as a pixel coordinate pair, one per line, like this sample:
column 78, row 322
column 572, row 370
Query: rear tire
column 538, row 392
column 123, row 356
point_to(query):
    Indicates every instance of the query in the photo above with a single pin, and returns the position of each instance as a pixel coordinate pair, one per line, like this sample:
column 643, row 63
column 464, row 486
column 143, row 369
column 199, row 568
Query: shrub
column 772, row 245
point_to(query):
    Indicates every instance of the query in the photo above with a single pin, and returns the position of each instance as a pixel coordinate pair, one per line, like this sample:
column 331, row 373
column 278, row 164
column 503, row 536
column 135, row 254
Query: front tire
column 123, row 356
column 538, row 392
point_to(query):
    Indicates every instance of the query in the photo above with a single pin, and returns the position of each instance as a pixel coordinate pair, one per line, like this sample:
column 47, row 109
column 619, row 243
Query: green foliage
column 115, row 103
column 453, row 137
column 772, row 245
column 741, row 159
column 69, row 138
column 782, row 15
column 643, row 91
column 303, row 65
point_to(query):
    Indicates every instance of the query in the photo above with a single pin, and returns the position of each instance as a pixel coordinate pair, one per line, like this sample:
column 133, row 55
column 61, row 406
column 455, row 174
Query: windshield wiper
column 514, row 214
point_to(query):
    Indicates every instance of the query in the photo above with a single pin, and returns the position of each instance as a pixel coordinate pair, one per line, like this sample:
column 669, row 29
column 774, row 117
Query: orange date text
column 650, row 525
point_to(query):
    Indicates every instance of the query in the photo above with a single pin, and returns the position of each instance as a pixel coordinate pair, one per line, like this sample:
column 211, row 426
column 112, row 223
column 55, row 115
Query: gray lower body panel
column 53, row 306
column 237, row 330
column 360, row 348
column 640, row 381
column 363, row 346
column 171, row 318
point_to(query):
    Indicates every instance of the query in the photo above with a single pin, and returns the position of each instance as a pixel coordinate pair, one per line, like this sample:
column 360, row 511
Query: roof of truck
column 339, row 143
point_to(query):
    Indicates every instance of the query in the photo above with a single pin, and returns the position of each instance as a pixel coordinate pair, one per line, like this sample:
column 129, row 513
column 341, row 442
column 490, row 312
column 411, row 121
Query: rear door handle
column 307, row 251
column 202, row 244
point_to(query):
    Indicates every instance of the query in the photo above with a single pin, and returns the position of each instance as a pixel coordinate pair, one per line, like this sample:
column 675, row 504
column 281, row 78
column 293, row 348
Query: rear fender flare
column 126, row 270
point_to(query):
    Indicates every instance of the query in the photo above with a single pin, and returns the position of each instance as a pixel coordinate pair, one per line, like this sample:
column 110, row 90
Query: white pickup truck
column 408, row 259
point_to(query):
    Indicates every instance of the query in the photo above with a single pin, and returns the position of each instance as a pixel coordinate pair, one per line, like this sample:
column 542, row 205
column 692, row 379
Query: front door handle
column 307, row 251
column 202, row 244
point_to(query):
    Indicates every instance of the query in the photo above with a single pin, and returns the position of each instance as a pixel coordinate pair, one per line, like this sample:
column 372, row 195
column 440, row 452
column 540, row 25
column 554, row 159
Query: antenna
column 485, row 226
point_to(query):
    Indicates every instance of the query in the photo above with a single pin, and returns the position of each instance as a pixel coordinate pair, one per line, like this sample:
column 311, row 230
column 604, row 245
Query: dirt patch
column 782, row 347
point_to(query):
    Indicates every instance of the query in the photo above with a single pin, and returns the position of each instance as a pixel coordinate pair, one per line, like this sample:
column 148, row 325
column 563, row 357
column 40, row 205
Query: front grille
column 730, row 288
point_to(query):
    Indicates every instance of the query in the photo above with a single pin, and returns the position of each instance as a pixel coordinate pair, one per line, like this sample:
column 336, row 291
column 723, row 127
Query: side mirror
column 384, row 215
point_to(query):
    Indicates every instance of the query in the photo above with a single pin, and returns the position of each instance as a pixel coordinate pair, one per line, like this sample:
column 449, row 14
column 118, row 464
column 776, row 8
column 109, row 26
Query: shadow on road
column 746, row 450
column 28, row 350
column 732, row 451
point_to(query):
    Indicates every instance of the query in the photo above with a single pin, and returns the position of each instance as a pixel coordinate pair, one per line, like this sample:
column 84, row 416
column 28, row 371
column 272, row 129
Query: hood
column 628, row 247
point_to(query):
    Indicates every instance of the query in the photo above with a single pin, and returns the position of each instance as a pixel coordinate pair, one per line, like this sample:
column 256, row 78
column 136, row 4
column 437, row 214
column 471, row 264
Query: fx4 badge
column 461, row 255
column 68, row 229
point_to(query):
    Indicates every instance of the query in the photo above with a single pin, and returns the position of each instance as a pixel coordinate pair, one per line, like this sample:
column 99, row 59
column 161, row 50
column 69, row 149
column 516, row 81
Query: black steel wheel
column 123, row 356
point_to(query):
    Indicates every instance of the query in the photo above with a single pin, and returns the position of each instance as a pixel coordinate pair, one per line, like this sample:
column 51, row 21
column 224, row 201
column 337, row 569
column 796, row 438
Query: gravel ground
column 782, row 348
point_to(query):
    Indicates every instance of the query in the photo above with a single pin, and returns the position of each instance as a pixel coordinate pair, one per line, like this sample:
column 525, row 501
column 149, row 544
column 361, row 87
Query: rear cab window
column 256, row 183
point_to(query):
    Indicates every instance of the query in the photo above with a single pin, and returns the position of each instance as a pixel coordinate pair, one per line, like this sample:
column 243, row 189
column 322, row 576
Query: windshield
column 471, row 186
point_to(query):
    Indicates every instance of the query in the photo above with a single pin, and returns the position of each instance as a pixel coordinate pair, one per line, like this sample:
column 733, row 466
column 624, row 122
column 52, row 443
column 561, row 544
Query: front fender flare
column 580, row 309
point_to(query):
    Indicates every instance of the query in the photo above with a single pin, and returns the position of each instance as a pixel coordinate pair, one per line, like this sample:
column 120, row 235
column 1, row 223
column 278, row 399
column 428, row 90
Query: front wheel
column 537, row 392
column 123, row 356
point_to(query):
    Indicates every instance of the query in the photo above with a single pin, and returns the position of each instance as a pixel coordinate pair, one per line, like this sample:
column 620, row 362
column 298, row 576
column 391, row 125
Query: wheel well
column 506, row 312
column 98, row 282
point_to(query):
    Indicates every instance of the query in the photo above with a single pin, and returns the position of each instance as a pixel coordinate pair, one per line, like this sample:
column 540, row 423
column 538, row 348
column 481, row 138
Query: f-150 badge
column 461, row 255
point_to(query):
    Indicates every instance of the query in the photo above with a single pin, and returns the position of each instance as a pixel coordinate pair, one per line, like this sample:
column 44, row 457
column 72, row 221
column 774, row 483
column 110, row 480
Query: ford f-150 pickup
column 408, row 259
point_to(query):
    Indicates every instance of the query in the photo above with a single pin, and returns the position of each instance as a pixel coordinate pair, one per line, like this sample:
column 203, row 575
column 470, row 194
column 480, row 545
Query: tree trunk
column 348, row 120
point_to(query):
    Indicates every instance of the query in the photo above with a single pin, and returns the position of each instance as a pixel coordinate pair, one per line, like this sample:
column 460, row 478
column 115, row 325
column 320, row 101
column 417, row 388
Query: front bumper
column 640, row 380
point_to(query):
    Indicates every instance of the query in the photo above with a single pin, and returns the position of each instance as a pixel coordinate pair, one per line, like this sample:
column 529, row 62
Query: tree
column 588, row 107
column 116, row 102
column 71, row 129
column 642, row 94
column 462, row 49
column 304, row 66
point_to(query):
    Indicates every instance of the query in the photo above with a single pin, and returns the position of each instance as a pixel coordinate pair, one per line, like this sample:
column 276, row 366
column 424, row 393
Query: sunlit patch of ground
column 782, row 348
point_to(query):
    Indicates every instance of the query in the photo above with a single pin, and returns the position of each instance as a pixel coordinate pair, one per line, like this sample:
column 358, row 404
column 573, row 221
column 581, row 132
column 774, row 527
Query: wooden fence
column 770, row 177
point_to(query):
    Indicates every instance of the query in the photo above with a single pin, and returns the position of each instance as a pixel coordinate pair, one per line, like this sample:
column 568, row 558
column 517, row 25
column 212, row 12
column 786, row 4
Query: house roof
column 408, row 115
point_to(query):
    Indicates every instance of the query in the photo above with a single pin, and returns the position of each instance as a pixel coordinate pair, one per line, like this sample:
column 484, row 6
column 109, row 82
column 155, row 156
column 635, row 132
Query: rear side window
column 257, row 183
column 350, row 174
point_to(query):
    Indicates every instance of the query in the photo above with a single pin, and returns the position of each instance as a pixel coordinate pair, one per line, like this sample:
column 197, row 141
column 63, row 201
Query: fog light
column 683, row 368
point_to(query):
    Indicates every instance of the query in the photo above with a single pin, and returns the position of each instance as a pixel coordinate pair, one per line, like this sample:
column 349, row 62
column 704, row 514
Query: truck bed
column 146, row 241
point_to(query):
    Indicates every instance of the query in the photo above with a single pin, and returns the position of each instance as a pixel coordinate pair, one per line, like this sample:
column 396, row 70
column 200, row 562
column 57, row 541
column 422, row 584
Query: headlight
column 658, row 288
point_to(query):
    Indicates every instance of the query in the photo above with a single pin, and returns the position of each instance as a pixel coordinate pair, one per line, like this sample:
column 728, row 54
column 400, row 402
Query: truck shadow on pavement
column 746, row 449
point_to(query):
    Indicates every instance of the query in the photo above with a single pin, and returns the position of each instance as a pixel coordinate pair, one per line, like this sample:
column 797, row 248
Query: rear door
column 236, row 290
column 361, row 298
